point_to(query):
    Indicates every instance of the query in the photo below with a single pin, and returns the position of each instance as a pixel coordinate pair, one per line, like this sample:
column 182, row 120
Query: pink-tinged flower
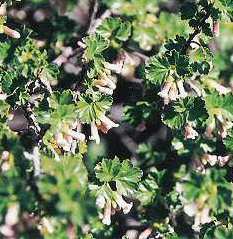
column 196, row 88
column 190, row 133
column 63, row 58
column 117, row 67
column 190, row 209
column 35, row 158
column 5, row 161
column 221, row 125
column 11, row 33
column 12, row 216
column 164, row 92
column 60, row 60
column 94, row 133
column 76, row 135
column 145, row 234
column 130, row 62
column 182, row 92
column 106, row 83
column 222, row 90
column 210, row 128
column 62, row 142
column 3, row 96
column 106, row 124
column 126, row 207
column 201, row 216
column 107, row 213
column 105, row 90
column 208, row 158
column 223, row 160
column 68, row 137
column 100, row 201
column 5, row 155
column 3, row 9
column 172, row 91
column 225, row 126
column 216, row 29
column 8, row 31
column 7, row 231
column 46, row 225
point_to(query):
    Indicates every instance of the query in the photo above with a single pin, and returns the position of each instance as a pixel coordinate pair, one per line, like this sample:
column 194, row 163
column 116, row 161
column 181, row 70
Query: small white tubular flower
column 131, row 61
column 226, row 125
column 94, row 133
column 5, row 164
column 62, row 142
column 63, row 58
column 208, row 158
column 81, row 44
column 201, row 217
column 182, row 92
column 173, row 92
column 164, row 92
column 3, row 9
column 106, row 124
column 76, row 135
column 190, row 133
column 195, row 88
column 107, row 213
column 46, row 225
column 3, row 96
column 105, row 90
column 5, row 155
column 117, row 67
column 195, row 44
column 110, row 81
column 222, row 90
column 216, row 29
column 60, row 60
column 223, row 160
column 145, row 234
column 126, row 207
column 100, row 201
column 35, row 157
column 7, row 231
column 190, row 209
column 210, row 128
column 8, row 31
column 107, row 81
column 12, row 215
column 68, row 137
column 11, row 33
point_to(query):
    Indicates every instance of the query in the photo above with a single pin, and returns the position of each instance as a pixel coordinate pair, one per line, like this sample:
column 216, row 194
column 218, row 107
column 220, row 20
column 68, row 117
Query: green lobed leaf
column 189, row 109
column 157, row 69
column 123, row 173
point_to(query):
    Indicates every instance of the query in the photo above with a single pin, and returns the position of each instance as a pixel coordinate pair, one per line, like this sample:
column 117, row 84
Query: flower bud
column 12, row 33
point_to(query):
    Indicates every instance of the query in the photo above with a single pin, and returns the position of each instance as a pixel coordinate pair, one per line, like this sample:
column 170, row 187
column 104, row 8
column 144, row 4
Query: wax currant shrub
column 182, row 189
column 195, row 105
